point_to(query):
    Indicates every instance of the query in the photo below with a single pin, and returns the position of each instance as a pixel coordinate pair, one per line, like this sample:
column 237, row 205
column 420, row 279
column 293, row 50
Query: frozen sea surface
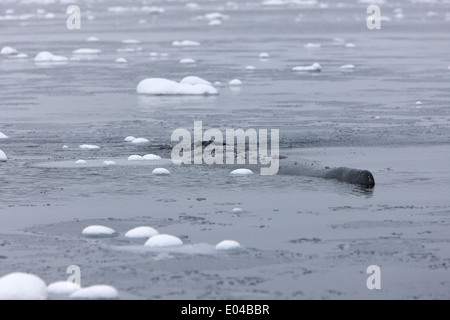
column 300, row 237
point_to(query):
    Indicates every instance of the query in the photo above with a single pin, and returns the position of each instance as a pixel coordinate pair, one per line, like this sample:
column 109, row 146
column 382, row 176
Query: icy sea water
column 301, row 237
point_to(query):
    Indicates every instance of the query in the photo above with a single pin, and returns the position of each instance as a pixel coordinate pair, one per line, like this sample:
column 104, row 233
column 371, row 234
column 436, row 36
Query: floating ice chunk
column 62, row 288
column 49, row 15
column 235, row 82
column 312, row 45
column 46, row 56
column 187, row 61
column 65, row 147
column 151, row 157
column 8, row 51
column 227, row 245
column 238, row 210
column 241, row 172
column 130, row 41
column 121, row 60
column 249, row 68
column 192, row 6
column 160, row 86
column 399, row 15
column 81, row 161
column 3, row 157
column 141, row 232
column 22, row 286
column 160, row 172
column 186, row 43
column 140, row 141
column 315, row 67
column 348, row 67
column 109, row 163
column 3, row 136
column 97, row 292
column 153, row 10
column 163, row 241
column 92, row 39
column 135, row 157
column 418, row 102
column 21, row 56
column 264, row 55
column 88, row 147
column 129, row 138
column 154, row 54
column 218, row 83
column 126, row 50
column 274, row 2
column 215, row 23
column 350, row 45
column 87, row 51
column 194, row 80
column 98, row 231
column 216, row 16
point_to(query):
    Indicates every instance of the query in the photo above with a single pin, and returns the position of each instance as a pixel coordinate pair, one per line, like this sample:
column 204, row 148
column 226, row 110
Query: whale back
column 356, row 176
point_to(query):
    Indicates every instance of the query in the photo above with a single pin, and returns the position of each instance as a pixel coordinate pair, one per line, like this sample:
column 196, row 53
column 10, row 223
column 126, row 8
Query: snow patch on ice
column 315, row 67
column 312, row 45
column 62, row 288
column 235, row 82
column 88, row 147
column 92, row 39
column 135, row 157
column 227, row 245
column 161, row 86
column 141, row 232
column 121, row 60
column 151, row 157
column 97, row 292
column 140, row 141
column 46, row 56
column 193, row 80
column 186, row 43
column 187, row 61
column 130, row 41
column 163, row 241
column 8, row 51
column 22, row 286
column 129, row 139
column 241, row 172
column 3, row 157
column 87, row 51
column 98, row 231
column 160, row 171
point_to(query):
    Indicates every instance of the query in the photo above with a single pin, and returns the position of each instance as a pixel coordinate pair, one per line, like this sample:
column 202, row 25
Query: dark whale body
column 350, row 175
column 310, row 169
column 356, row 176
